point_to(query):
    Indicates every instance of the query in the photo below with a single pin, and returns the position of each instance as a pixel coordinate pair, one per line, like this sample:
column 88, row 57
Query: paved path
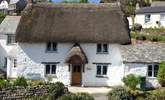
column 99, row 93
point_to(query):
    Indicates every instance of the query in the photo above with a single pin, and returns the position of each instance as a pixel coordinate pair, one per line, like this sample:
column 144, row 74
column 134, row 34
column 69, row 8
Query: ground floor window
column 50, row 69
column 153, row 70
column 101, row 69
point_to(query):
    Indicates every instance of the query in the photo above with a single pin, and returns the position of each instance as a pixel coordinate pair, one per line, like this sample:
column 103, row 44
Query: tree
column 161, row 74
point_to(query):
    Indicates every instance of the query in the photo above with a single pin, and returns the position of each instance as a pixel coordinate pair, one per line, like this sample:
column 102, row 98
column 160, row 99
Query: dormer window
column 51, row 47
column 102, row 48
column 10, row 39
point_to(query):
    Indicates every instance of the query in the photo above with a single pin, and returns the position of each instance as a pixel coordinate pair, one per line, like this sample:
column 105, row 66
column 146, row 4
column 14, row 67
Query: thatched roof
column 143, row 53
column 73, row 23
column 76, row 50
column 9, row 25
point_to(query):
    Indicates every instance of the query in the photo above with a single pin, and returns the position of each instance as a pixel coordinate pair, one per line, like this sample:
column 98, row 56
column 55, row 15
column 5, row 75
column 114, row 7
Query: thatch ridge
column 73, row 23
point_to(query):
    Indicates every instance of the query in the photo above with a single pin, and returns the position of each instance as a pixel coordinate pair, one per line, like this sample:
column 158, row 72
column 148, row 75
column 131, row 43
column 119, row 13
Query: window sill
column 51, row 75
column 101, row 76
column 150, row 77
column 10, row 44
column 102, row 53
column 51, row 51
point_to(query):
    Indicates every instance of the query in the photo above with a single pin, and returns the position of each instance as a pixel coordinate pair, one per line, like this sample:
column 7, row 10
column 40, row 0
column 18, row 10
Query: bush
column 131, row 81
column 161, row 74
column 136, row 27
column 20, row 81
column 2, row 16
column 78, row 96
column 56, row 90
column 158, row 94
column 36, row 83
column 140, row 37
column 119, row 93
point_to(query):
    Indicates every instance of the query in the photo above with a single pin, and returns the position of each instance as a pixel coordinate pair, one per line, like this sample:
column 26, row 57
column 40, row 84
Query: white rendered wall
column 30, row 57
column 140, row 18
column 141, row 70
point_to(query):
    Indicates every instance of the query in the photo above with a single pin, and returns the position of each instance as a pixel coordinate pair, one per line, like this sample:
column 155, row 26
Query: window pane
column 53, row 69
column 156, row 67
column 98, row 47
column 104, row 70
column 105, row 48
column 15, row 62
column 47, row 69
column 149, row 67
column 150, row 73
column 48, row 48
column 54, row 46
column 12, row 38
column 8, row 39
column 147, row 18
column 98, row 70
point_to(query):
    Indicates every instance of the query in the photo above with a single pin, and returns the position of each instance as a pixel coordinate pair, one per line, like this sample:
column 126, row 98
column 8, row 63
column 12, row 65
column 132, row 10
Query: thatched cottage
column 77, row 44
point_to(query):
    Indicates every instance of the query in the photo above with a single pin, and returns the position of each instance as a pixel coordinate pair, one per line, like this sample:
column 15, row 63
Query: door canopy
column 76, row 55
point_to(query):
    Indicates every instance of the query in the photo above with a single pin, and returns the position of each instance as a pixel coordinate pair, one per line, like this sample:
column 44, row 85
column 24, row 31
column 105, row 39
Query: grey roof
column 143, row 53
column 9, row 25
column 157, row 9
column 158, row 3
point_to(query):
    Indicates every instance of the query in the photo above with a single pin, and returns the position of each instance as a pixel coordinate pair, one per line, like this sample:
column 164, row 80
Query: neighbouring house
column 143, row 60
column 7, row 43
column 78, row 44
column 3, row 6
column 150, row 17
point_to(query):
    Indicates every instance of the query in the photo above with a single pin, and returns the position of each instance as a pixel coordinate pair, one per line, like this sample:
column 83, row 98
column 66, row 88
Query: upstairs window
column 153, row 70
column 102, row 48
column 50, row 69
column 162, row 17
column 102, row 70
column 51, row 47
column 147, row 18
column 10, row 39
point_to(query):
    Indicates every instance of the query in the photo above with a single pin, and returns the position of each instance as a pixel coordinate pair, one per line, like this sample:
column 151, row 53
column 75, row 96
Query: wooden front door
column 76, row 74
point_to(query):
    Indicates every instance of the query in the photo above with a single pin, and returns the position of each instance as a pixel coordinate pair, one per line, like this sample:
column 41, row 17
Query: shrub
column 136, row 27
column 161, row 74
column 4, row 83
column 57, row 89
column 119, row 93
column 158, row 94
column 78, row 96
column 140, row 37
column 131, row 81
column 20, row 81
column 36, row 83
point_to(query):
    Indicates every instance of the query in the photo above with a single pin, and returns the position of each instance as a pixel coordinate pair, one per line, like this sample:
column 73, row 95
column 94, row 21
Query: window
column 10, row 39
column 5, row 62
column 15, row 63
column 153, row 70
column 102, row 48
column 162, row 17
column 51, row 46
column 147, row 18
column 101, row 69
column 50, row 69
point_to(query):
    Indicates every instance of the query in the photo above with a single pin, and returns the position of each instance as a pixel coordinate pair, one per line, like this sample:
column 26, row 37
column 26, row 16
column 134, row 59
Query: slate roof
column 143, row 53
column 157, row 9
column 9, row 25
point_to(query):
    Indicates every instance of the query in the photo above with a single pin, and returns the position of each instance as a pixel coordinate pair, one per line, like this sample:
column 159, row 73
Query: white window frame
column 147, row 20
column 101, row 69
column 12, row 39
column 50, row 71
column 162, row 17
column 102, row 48
column 153, row 70
column 51, row 47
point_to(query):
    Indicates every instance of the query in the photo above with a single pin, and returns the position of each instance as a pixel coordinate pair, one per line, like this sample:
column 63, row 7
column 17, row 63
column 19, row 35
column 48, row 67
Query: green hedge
column 160, row 30
column 2, row 16
column 149, row 37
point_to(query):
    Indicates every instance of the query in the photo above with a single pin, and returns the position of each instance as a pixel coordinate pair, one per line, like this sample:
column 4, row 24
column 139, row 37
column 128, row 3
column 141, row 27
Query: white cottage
column 77, row 44
column 150, row 17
